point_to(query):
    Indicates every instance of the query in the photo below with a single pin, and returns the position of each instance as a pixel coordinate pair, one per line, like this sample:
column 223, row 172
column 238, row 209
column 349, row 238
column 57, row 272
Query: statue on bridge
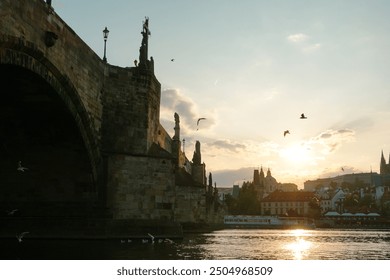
column 197, row 158
column 177, row 127
column 143, row 51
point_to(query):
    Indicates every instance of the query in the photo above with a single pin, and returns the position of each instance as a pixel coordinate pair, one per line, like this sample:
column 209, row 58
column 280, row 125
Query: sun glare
column 300, row 247
column 296, row 153
column 299, row 232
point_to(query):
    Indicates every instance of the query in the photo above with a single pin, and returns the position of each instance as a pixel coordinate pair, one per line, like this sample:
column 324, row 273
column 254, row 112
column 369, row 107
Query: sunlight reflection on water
column 239, row 244
column 300, row 246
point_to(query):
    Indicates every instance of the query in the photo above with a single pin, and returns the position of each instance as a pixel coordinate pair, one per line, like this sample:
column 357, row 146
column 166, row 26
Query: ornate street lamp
column 105, row 36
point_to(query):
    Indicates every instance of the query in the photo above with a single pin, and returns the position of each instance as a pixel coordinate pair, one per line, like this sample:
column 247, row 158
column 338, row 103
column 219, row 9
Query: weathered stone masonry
column 138, row 171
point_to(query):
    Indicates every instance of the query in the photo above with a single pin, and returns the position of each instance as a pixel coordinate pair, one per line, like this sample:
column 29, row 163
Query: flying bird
column 303, row 116
column 286, row 132
column 12, row 212
column 172, row 59
column 20, row 167
column 20, row 236
column 197, row 123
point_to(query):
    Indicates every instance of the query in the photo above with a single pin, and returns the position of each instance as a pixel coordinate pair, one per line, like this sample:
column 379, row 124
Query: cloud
column 338, row 170
column 172, row 100
column 303, row 41
column 227, row 145
column 312, row 48
column 297, row 38
column 331, row 140
column 362, row 123
column 271, row 94
column 230, row 177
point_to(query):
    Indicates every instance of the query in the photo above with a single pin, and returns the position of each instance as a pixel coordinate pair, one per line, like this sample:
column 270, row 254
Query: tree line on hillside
column 247, row 202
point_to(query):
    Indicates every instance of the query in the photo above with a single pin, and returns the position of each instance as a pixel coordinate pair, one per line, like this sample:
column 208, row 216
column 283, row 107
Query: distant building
column 337, row 201
column 288, row 187
column 236, row 191
column 264, row 184
column 295, row 203
column 369, row 179
column 355, row 179
column 384, row 167
column 384, row 171
column 380, row 193
column 223, row 192
column 331, row 200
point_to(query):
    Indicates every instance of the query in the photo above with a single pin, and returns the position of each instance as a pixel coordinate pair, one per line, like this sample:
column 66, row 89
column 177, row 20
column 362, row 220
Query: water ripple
column 218, row 245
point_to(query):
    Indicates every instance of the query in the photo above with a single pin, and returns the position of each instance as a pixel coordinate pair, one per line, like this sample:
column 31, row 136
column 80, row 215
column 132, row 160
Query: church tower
column 384, row 168
column 262, row 174
column 256, row 178
column 258, row 182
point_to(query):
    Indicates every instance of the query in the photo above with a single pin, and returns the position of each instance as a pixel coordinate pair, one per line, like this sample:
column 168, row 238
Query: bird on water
column 20, row 167
column 20, row 236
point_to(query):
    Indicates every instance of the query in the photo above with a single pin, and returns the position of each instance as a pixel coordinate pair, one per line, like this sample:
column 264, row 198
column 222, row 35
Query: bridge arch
column 44, row 102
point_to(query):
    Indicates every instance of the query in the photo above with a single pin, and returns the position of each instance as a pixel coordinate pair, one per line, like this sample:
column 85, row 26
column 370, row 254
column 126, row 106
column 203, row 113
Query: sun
column 297, row 153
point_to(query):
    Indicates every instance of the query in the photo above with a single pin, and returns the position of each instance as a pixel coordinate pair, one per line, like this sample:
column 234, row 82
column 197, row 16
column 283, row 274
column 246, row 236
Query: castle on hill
column 366, row 179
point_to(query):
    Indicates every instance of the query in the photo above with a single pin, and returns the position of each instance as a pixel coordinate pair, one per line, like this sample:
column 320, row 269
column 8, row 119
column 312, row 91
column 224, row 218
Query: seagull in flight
column 20, row 167
column 12, row 212
column 303, row 117
column 20, row 236
column 286, row 132
column 172, row 59
column 197, row 123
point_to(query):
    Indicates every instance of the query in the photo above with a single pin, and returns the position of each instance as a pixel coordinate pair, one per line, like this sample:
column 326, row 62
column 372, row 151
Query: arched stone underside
column 44, row 124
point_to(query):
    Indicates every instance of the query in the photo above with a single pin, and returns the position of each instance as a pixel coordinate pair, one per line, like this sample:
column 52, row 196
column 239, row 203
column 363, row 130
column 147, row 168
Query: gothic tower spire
column 382, row 164
column 256, row 177
column 261, row 173
column 388, row 163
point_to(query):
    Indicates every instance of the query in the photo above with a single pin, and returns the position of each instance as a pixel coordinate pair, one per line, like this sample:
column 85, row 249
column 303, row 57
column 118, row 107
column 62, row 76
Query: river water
column 240, row 244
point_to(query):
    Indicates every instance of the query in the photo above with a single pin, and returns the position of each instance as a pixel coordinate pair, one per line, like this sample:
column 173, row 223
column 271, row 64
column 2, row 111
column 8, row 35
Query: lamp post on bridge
column 105, row 36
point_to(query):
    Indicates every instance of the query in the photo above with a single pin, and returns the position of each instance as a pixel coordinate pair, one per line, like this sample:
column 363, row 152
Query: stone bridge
column 88, row 132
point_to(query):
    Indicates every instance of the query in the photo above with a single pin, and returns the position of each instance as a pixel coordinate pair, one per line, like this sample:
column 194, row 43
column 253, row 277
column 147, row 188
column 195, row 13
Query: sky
column 251, row 68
